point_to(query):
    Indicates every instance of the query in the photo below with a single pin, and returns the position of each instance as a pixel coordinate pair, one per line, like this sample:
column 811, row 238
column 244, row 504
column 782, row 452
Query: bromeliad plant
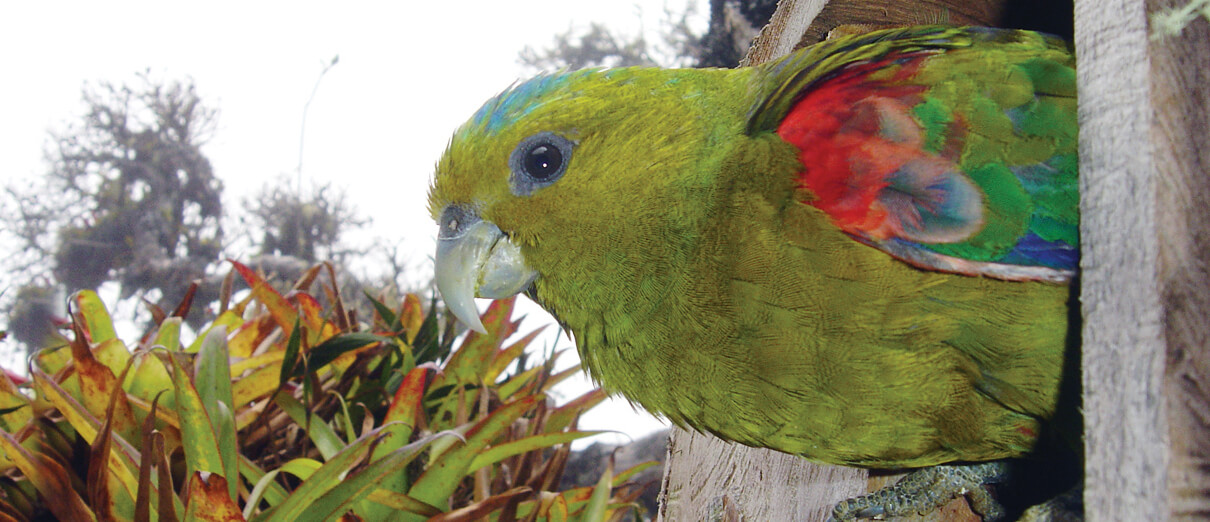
column 284, row 410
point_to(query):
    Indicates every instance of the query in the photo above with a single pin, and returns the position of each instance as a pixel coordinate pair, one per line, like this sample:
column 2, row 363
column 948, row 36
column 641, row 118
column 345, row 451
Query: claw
column 926, row 490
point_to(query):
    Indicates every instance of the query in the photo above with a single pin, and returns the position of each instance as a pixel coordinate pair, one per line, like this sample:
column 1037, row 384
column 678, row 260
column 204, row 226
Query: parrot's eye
column 538, row 161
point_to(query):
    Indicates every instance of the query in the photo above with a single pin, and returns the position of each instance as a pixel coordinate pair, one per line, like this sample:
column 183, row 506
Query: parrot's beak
column 476, row 259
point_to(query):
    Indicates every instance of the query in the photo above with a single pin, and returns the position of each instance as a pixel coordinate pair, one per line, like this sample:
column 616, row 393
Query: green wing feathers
column 950, row 149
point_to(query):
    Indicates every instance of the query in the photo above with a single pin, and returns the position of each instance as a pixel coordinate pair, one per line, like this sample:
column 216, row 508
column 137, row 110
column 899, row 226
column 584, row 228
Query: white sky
column 409, row 74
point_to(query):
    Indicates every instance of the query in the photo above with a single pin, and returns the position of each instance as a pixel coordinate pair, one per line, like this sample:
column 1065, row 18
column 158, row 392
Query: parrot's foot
column 1067, row 507
column 927, row 489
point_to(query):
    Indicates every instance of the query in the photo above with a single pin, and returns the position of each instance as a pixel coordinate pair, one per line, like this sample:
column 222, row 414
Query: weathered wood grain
column 1180, row 144
column 803, row 23
column 1123, row 332
column 784, row 31
column 705, row 475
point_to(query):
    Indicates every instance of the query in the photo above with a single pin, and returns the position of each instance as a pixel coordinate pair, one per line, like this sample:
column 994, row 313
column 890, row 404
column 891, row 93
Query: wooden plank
column 1180, row 143
column 1126, row 469
column 800, row 24
column 784, row 31
column 708, row 479
column 916, row 12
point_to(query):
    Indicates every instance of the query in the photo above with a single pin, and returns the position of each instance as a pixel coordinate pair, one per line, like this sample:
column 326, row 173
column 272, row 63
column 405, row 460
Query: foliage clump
column 282, row 409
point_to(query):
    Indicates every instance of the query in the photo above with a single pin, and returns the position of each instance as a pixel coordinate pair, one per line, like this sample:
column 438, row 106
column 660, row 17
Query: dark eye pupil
column 538, row 161
column 543, row 161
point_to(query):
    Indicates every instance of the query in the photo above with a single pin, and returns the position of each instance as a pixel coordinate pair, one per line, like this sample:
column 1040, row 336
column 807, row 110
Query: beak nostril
column 455, row 220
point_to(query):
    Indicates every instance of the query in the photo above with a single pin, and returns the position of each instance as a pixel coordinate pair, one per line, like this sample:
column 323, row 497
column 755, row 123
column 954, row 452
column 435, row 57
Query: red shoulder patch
column 863, row 157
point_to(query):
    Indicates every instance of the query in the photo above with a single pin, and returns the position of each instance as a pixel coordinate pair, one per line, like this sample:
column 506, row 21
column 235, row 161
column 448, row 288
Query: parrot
column 861, row 253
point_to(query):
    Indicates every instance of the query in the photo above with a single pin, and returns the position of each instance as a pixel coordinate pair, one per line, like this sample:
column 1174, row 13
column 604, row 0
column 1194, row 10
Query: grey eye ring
column 538, row 161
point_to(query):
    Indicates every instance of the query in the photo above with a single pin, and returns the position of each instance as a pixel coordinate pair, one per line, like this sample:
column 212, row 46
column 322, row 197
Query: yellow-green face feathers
column 577, row 164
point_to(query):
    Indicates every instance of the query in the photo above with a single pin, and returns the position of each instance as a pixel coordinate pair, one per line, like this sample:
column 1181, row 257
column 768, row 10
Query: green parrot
column 860, row 253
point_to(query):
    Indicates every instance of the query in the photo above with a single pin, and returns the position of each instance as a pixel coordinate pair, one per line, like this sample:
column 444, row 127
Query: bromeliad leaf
column 334, row 347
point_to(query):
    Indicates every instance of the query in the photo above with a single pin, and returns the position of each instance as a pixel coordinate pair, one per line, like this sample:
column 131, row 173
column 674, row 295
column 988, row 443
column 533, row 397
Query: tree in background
column 733, row 24
column 597, row 46
column 128, row 197
column 308, row 229
column 150, row 203
column 32, row 317
column 297, row 231
column 292, row 232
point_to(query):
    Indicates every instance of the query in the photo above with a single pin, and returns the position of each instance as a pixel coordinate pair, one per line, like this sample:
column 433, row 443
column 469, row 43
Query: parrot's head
column 568, row 182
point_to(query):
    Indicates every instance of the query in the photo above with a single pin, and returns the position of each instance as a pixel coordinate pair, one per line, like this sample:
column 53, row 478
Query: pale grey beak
column 476, row 259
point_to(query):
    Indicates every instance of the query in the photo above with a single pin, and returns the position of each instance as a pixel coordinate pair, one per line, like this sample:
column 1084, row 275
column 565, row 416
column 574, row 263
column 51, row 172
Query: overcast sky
column 409, row 74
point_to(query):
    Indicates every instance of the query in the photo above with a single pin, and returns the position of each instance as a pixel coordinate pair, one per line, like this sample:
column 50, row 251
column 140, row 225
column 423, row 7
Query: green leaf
column 400, row 421
column 304, row 468
column 334, row 347
column 350, row 432
column 261, row 487
column 557, row 378
column 444, row 473
column 475, row 355
column 394, row 365
column 534, row 442
column 272, row 492
column 622, row 477
column 88, row 428
column 388, row 316
column 261, row 383
column 354, row 488
column 13, row 412
column 507, row 388
column 429, row 344
column 96, row 318
column 228, row 446
column 405, row 405
column 599, row 503
column 401, row 502
column 506, row 356
column 325, row 438
column 197, row 430
column 290, row 360
column 212, row 369
column 50, row 479
column 227, row 320
column 562, row 416
column 331, row 475
column 148, row 377
column 279, row 307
